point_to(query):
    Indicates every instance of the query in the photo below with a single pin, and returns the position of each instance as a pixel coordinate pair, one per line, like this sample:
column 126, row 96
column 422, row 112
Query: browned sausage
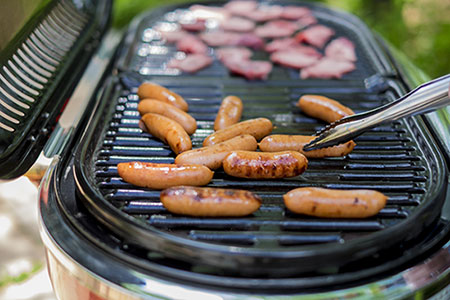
column 150, row 90
column 230, row 112
column 259, row 128
column 328, row 203
column 168, row 131
column 323, row 108
column 161, row 176
column 213, row 156
column 209, row 202
column 281, row 142
column 259, row 165
column 158, row 107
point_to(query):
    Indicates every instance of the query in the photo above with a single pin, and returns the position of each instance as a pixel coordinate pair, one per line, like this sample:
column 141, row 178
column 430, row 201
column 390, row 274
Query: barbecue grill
column 108, row 239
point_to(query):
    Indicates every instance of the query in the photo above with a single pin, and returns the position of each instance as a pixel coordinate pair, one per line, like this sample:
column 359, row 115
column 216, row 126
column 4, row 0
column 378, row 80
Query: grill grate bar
column 250, row 238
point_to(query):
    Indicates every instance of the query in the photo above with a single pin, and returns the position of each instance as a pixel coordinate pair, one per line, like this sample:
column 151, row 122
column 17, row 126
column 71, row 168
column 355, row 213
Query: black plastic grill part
column 40, row 67
column 387, row 158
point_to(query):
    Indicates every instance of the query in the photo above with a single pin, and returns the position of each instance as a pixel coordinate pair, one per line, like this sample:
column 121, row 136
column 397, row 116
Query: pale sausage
column 328, row 203
column 161, row 176
column 213, row 156
column 209, row 202
column 150, row 90
column 323, row 108
column 168, row 131
column 280, row 142
column 259, row 128
column 158, row 107
column 230, row 113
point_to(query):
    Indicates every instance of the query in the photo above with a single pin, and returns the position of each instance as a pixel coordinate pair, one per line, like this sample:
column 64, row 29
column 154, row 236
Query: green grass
column 8, row 279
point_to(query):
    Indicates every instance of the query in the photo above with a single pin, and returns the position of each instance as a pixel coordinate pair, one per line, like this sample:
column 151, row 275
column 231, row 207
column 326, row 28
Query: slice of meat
column 293, row 59
column 191, row 63
column 280, row 44
column 307, row 20
column 220, row 38
column 172, row 37
column 250, row 69
column 195, row 26
column 233, row 53
column 191, row 44
column 295, row 12
column 250, row 40
column 327, row 68
column 238, row 24
column 264, row 13
column 307, row 50
column 276, row 29
column 203, row 12
column 317, row 35
column 241, row 7
column 341, row 49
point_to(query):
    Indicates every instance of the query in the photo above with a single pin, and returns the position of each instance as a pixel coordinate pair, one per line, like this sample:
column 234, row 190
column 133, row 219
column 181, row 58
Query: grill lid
column 39, row 67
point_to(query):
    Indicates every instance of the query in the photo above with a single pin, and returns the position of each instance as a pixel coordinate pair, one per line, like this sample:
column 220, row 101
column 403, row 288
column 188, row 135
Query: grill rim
column 58, row 193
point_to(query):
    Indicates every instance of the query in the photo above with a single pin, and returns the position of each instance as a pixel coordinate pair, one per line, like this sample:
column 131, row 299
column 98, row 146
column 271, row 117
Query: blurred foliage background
column 418, row 28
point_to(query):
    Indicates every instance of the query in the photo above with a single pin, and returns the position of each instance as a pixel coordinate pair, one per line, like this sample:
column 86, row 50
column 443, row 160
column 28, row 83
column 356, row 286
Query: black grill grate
column 388, row 159
column 381, row 152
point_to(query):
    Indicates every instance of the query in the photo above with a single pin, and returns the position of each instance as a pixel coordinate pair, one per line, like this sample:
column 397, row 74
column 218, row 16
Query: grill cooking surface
column 390, row 159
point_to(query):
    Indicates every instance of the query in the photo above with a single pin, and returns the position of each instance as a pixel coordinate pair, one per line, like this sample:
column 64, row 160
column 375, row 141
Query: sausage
column 161, row 176
column 209, row 202
column 259, row 128
column 328, row 203
column 213, row 156
column 323, row 108
column 150, row 90
column 260, row 165
column 158, row 107
column 229, row 113
column 281, row 142
column 168, row 131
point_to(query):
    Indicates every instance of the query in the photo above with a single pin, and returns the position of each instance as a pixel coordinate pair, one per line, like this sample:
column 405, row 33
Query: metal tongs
column 427, row 97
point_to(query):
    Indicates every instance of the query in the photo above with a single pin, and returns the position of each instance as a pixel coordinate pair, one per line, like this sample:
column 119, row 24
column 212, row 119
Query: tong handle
column 425, row 98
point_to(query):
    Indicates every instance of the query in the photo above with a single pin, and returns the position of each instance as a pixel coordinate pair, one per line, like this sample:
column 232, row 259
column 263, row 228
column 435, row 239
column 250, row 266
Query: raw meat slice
column 327, row 68
column 241, row 7
column 238, row 24
column 295, row 12
column 191, row 44
column 307, row 20
column 250, row 69
column 233, row 53
column 220, row 38
column 172, row 37
column 307, row 50
column 341, row 49
column 250, row 40
column 264, row 13
column 276, row 29
column 317, row 35
column 203, row 12
column 191, row 63
column 196, row 25
column 293, row 59
column 280, row 44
